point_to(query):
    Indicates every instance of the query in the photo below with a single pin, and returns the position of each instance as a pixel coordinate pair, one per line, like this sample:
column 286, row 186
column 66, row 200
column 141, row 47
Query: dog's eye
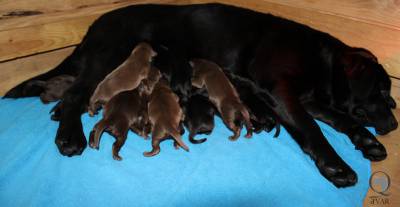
column 360, row 113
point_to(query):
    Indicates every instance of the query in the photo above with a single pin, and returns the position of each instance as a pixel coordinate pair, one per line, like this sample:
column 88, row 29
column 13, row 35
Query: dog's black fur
column 199, row 117
column 309, row 73
column 259, row 102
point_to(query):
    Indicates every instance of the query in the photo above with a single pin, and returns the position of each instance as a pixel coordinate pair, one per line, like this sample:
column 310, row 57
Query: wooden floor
column 391, row 166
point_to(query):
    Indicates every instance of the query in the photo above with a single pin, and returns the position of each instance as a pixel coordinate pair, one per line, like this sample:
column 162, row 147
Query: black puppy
column 309, row 73
column 199, row 117
column 258, row 101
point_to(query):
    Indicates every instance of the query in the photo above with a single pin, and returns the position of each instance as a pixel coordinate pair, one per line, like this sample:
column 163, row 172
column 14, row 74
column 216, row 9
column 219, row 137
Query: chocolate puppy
column 165, row 115
column 127, row 110
column 120, row 113
column 223, row 95
column 53, row 89
column 199, row 117
column 125, row 77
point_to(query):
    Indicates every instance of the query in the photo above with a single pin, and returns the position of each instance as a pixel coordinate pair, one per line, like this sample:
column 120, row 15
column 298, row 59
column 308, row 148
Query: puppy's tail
column 277, row 129
column 196, row 141
column 177, row 137
column 96, row 133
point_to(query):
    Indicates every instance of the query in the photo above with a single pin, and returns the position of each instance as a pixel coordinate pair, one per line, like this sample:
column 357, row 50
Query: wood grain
column 391, row 166
column 379, row 12
column 382, row 41
column 30, row 40
column 16, row 71
column 59, row 10
column 53, row 31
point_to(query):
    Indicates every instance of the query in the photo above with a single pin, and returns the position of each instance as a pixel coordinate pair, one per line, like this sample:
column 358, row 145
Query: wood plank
column 395, row 91
column 68, row 30
column 30, row 40
column 390, row 166
column 382, row 41
column 58, row 11
column 383, row 13
column 16, row 71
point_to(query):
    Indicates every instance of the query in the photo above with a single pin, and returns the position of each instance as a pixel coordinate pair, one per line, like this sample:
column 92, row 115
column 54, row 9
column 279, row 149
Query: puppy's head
column 370, row 100
column 199, row 67
column 146, row 50
column 152, row 79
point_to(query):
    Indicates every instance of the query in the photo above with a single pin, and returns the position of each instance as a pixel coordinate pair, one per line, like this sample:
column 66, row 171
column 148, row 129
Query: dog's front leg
column 308, row 135
column 70, row 138
column 364, row 140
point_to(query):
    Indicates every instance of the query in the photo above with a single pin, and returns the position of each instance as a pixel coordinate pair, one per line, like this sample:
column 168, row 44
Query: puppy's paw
column 92, row 142
column 370, row 147
column 117, row 157
column 233, row 138
column 337, row 172
column 176, row 145
column 70, row 139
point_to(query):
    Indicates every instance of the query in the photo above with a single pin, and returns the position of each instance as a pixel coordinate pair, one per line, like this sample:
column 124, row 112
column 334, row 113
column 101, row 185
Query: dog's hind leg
column 95, row 134
column 249, row 127
column 121, row 138
column 156, row 135
column 29, row 87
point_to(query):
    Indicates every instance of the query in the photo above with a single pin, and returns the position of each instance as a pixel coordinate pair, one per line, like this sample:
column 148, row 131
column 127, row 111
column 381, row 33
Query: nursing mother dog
column 311, row 74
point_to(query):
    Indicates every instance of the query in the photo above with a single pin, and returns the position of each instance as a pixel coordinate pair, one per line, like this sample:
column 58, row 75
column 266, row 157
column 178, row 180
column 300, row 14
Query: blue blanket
column 262, row 171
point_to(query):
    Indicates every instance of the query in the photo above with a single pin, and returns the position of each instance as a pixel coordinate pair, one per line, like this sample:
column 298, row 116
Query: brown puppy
column 54, row 88
column 223, row 95
column 124, row 78
column 165, row 115
column 127, row 110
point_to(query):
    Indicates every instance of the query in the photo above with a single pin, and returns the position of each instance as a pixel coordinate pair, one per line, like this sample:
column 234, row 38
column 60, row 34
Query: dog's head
column 370, row 100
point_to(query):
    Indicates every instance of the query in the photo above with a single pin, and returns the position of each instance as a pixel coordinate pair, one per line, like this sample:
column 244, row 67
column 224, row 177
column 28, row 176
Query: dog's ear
column 363, row 53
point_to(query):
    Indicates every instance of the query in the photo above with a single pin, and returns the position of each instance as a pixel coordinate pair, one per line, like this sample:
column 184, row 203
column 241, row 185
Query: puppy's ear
column 153, row 53
column 191, row 63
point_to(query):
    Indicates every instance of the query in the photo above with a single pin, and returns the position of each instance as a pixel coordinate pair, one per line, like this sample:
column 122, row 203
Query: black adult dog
column 310, row 74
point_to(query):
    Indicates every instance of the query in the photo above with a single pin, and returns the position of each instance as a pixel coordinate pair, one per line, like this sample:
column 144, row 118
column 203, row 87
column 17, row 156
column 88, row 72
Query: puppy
column 165, row 116
column 199, row 117
column 125, row 77
column 223, row 95
column 122, row 112
column 127, row 110
column 53, row 89
column 259, row 103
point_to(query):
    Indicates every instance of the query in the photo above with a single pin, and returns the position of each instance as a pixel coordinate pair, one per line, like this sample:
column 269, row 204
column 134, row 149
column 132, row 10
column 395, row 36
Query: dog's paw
column 367, row 143
column 339, row 173
column 70, row 140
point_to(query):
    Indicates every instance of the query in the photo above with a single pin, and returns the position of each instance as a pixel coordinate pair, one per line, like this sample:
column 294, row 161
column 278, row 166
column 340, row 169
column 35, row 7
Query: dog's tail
column 196, row 141
column 177, row 137
column 27, row 89
column 95, row 134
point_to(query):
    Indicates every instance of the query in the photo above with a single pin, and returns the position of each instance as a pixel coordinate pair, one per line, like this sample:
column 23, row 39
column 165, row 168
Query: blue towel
column 262, row 171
